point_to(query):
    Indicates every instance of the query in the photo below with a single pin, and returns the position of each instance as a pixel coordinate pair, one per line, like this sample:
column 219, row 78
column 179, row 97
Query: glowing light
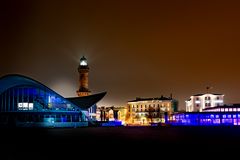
column 30, row 106
column 197, row 102
column 49, row 99
column 25, row 106
column 83, row 63
column 218, row 101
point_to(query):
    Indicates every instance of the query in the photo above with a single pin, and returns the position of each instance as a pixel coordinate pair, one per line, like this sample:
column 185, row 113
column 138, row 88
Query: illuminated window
column 30, row 106
column 25, row 106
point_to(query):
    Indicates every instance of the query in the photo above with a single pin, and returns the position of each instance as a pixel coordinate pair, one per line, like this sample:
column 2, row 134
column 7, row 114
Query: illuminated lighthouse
column 83, row 70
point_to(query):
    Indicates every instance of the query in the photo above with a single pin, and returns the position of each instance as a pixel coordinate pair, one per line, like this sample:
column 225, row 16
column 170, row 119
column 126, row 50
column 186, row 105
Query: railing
column 52, row 125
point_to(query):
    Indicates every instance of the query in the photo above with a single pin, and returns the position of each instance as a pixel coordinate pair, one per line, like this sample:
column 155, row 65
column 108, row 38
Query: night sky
column 134, row 49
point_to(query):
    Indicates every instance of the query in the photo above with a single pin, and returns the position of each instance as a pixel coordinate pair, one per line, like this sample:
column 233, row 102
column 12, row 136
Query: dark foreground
column 75, row 143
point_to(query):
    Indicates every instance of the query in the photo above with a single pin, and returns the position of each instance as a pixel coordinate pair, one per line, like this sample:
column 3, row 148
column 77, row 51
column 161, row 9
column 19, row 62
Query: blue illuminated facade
column 25, row 102
column 206, row 118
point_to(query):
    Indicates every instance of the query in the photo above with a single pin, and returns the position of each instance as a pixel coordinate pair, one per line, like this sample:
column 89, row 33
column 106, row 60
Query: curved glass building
column 25, row 102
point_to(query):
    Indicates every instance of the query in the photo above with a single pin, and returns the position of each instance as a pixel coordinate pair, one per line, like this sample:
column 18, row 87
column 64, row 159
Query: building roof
column 151, row 99
column 224, row 106
column 87, row 101
column 201, row 94
column 83, row 58
column 15, row 80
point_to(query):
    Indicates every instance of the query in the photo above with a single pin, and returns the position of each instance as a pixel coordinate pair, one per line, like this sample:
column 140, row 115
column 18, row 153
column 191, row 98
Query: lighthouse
column 83, row 70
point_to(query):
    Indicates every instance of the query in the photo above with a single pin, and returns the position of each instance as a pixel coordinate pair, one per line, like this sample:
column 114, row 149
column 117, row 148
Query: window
column 25, row 106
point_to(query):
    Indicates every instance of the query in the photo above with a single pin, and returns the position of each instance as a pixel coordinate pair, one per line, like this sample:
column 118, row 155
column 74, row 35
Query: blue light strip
column 206, row 119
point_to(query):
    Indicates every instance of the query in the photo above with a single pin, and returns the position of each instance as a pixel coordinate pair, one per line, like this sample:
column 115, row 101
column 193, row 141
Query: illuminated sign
column 25, row 106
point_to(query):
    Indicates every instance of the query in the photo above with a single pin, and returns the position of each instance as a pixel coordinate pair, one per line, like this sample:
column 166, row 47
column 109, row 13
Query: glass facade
column 206, row 119
column 33, row 99
column 41, row 106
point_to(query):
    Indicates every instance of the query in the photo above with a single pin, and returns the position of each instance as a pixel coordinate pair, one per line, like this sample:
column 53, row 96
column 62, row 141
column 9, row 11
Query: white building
column 198, row 102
